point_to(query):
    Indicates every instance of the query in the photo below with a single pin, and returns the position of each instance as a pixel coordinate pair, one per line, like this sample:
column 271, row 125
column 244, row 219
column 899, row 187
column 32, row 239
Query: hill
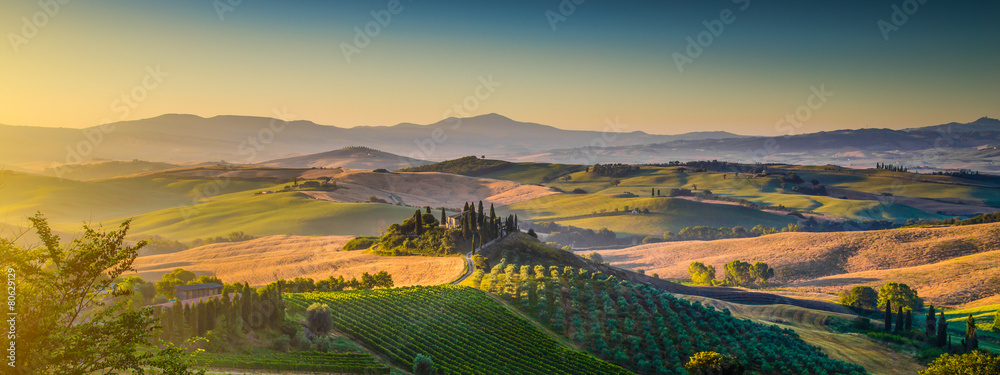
column 462, row 329
column 829, row 262
column 466, row 166
column 263, row 260
column 354, row 157
column 106, row 169
column 241, row 139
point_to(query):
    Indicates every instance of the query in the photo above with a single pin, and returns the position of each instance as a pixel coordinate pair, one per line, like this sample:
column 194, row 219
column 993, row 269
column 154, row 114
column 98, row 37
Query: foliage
column 974, row 363
column 594, row 257
column 171, row 279
column 69, row 317
column 360, row 243
column 615, row 170
column 740, row 273
column 468, row 166
column 712, row 363
column 646, row 329
column 579, row 237
column 862, row 297
column 464, row 330
column 701, row 274
column 900, row 295
column 423, row 365
column 319, row 318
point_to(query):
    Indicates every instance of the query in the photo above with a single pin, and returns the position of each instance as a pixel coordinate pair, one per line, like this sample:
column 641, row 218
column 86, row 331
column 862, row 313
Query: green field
column 595, row 211
column 984, row 322
column 531, row 173
column 264, row 215
column 462, row 329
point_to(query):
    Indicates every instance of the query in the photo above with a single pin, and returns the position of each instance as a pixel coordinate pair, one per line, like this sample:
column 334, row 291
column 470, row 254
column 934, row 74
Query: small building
column 455, row 220
column 184, row 292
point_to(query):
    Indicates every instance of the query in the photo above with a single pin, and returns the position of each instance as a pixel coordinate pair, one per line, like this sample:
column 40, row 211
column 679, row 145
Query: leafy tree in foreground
column 701, row 274
column 738, row 273
column 862, row 297
column 974, row 363
column 712, row 363
column 69, row 321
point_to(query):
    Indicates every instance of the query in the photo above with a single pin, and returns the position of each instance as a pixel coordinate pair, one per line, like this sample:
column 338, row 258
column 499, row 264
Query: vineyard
column 462, row 329
column 645, row 329
column 341, row 363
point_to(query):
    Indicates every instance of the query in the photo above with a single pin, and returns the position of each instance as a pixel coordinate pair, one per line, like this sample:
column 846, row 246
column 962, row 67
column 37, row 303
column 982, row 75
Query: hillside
column 462, row 329
column 106, row 169
column 844, row 258
column 349, row 158
column 263, row 260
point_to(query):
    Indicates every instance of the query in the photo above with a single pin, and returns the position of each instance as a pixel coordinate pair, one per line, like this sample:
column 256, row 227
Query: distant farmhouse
column 184, row 292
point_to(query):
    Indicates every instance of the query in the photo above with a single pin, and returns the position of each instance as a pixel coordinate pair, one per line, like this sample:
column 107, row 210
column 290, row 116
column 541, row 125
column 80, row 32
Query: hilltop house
column 183, row 292
column 455, row 220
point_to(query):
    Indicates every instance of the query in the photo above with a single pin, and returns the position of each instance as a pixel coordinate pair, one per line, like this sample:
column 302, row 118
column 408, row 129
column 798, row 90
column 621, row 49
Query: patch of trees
column 891, row 167
column 424, row 233
column 178, row 277
column 578, row 237
column 374, row 199
column 715, row 165
column 736, row 273
column 360, row 243
column 467, row 166
column 237, row 236
column 970, row 175
column 381, row 279
column 976, row 362
column 616, row 170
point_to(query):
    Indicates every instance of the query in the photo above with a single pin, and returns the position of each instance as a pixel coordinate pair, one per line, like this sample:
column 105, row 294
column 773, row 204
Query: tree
column 760, row 272
column 888, row 316
column 320, row 318
column 971, row 338
column 977, row 362
column 996, row 322
column 174, row 278
column 531, row 232
column 444, row 217
column 900, row 294
column 862, row 297
column 701, row 274
column 712, row 363
column 737, row 273
column 899, row 319
column 931, row 328
column 423, row 365
column 68, row 315
column 942, row 330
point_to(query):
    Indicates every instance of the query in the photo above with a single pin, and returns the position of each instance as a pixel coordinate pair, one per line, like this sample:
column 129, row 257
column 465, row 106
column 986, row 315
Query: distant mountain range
column 271, row 142
column 241, row 139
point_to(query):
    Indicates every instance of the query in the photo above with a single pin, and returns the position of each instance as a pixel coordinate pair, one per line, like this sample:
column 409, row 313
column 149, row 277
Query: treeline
column 736, row 273
column 381, row 279
column 715, row 165
column 979, row 219
column 427, row 234
column 891, row 167
column 466, row 166
column 160, row 245
column 578, row 237
column 616, row 170
column 969, row 175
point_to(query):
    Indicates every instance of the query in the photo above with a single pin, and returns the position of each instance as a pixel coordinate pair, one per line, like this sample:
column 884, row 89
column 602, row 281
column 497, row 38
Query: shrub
column 423, row 365
column 360, row 243
column 977, row 362
column 319, row 317
column 862, row 297
column 710, row 363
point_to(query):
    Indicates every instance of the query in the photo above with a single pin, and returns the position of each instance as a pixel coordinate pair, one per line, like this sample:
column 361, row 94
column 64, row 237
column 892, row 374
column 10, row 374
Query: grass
column 67, row 203
column 530, row 173
column 270, row 214
column 596, row 211
column 984, row 322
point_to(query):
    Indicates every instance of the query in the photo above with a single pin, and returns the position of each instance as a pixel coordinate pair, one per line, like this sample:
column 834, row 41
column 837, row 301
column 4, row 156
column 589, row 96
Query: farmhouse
column 184, row 292
column 455, row 220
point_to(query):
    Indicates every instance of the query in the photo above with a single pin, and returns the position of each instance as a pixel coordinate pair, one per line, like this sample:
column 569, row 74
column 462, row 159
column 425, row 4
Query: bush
column 977, row 362
column 360, row 243
column 281, row 343
column 711, row 363
column 319, row 317
column 862, row 297
column 579, row 191
column 423, row 365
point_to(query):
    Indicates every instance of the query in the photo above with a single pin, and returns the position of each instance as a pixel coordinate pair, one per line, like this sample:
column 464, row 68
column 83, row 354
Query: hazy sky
column 602, row 60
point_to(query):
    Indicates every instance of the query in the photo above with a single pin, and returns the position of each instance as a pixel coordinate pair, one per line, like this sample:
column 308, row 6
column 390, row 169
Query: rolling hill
column 263, row 260
column 947, row 266
column 348, row 158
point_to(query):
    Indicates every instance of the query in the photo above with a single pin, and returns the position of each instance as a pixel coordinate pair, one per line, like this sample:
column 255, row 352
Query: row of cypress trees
column 936, row 328
column 252, row 309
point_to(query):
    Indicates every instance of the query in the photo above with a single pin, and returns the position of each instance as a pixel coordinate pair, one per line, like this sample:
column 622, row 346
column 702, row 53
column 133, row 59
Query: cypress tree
column 473, row 219
column 942, row 330
column 899, row 319
column 466, row 208
column 482, row 215
column 931, row 327
column 444, row 217
column 652, row 192
column 971, row 338
column 909, row 321
column 418, row 223
column 888, row 316
column 517, row 227
column 428, row 208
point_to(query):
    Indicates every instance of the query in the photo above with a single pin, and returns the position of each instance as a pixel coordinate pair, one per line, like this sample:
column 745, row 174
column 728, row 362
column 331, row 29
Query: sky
column 755, row 67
